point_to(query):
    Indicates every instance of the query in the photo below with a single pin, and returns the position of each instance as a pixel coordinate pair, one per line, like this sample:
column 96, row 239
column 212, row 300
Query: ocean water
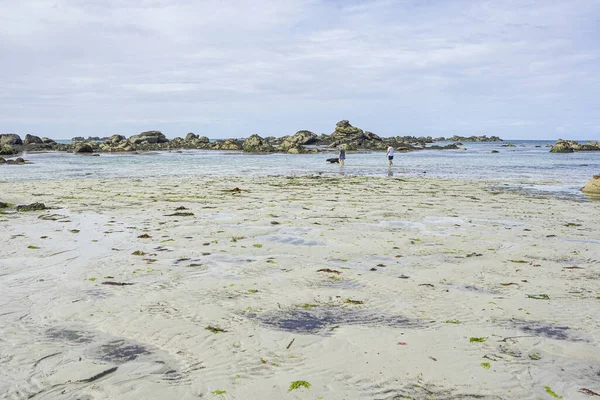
column 525, row 167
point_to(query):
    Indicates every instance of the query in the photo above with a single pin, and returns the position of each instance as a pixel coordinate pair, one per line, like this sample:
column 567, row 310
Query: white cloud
column 236, row 67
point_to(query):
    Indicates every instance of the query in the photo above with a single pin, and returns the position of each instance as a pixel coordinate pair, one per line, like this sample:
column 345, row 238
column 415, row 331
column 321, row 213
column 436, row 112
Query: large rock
column 190, row 136
column 593, row 186
column 562, row 146
column 256, row 144
column 31, row 139
column 49, row 141
column 115, row 139
column 304, row 138
column 345, row 132
column 10, row 139
column 2, row 160
column 83, row 148
column 203, row 139
column 149, row 137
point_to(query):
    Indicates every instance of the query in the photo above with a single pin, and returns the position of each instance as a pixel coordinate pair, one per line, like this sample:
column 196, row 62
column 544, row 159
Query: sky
column 518, row 69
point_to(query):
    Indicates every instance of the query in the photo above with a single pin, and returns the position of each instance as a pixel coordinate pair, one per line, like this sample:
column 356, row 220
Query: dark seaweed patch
column 550, row 331
column 119, row 352
column 324, row 319
column 69, row 335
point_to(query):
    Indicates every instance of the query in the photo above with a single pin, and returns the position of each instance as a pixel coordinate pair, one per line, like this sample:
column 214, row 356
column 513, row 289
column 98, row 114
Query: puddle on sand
column 70, row 335
column 284, row 239
column 322, row 320
column 549, row 331
column 119, row 351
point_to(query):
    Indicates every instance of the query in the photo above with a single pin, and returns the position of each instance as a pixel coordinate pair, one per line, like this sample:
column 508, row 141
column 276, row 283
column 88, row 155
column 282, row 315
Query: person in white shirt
column 390, row 155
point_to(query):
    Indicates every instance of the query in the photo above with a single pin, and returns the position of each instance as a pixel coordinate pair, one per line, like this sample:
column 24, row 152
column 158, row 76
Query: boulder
column 115, row 139
column 2, row 160
column 10, row 139
column 190, row 136
column 203, row 139
column 149, row 137
column 562, row 146
column 593, row 186
column 78, row 139
column 3, row 205
column 6, row 150
column 31, row 139
column 83, row 148
column 46, row 140
column 256, row 144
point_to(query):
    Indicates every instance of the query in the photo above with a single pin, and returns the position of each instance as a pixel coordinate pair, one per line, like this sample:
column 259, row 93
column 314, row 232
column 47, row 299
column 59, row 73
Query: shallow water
column 527, row 167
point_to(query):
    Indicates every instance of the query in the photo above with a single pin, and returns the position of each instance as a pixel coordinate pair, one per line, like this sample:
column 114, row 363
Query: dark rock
column 495, row 151
column 83, row 148
column 32, row 207
column 256, row 144
column 19, row 160
column 190, row 136
column 10, row 139
column 31, row 139
column 3, row 205
column 46, row 140
column 115, row 139
column 2, row 160
column 78, row 139
column 203, row 139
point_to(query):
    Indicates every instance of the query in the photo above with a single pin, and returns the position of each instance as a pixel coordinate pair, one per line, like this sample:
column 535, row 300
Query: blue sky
column 519, row 69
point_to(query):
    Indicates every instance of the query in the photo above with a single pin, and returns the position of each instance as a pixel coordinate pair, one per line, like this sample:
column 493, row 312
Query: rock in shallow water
column 593, row 186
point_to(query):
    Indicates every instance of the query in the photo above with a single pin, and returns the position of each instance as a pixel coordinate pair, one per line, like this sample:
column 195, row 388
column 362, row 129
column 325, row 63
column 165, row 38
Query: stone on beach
column 593, row 186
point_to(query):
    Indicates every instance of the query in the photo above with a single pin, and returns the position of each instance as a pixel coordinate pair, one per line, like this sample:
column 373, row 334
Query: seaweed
column 538, row 296
column 350, row 301
column 138, row 253
column 298, row 384
column 144, row 236
column 331, row 271
column 478, row 339
column 551, row 392
column 215, row 329
column 219, row 392
column 117, row 283
column 485, row 365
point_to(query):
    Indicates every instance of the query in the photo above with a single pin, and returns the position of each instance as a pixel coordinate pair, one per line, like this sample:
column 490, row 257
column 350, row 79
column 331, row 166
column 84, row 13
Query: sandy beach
column 297, row 288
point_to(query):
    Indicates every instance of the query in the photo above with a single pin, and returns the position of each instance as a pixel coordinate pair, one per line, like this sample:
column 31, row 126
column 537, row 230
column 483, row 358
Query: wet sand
column 297, row 288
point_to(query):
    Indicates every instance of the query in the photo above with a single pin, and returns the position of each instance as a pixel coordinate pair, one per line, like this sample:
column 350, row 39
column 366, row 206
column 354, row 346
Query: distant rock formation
column 482, row 138
column 570, row 146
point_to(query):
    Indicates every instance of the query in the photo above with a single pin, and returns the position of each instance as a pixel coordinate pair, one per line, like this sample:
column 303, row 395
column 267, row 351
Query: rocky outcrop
column 10, row 139
column 31, row 139
column 191, row 136
column 345, row 132
column 593, row 186
column 256, row 144
column 149, row 137
column 562, row 146
column 228, row 144
column 2, row 160
column 48, row 141
column 570, row 146
column 295, row 144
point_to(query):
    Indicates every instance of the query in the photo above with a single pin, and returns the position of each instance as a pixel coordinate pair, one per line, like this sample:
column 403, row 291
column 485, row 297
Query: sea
column 528, row 167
